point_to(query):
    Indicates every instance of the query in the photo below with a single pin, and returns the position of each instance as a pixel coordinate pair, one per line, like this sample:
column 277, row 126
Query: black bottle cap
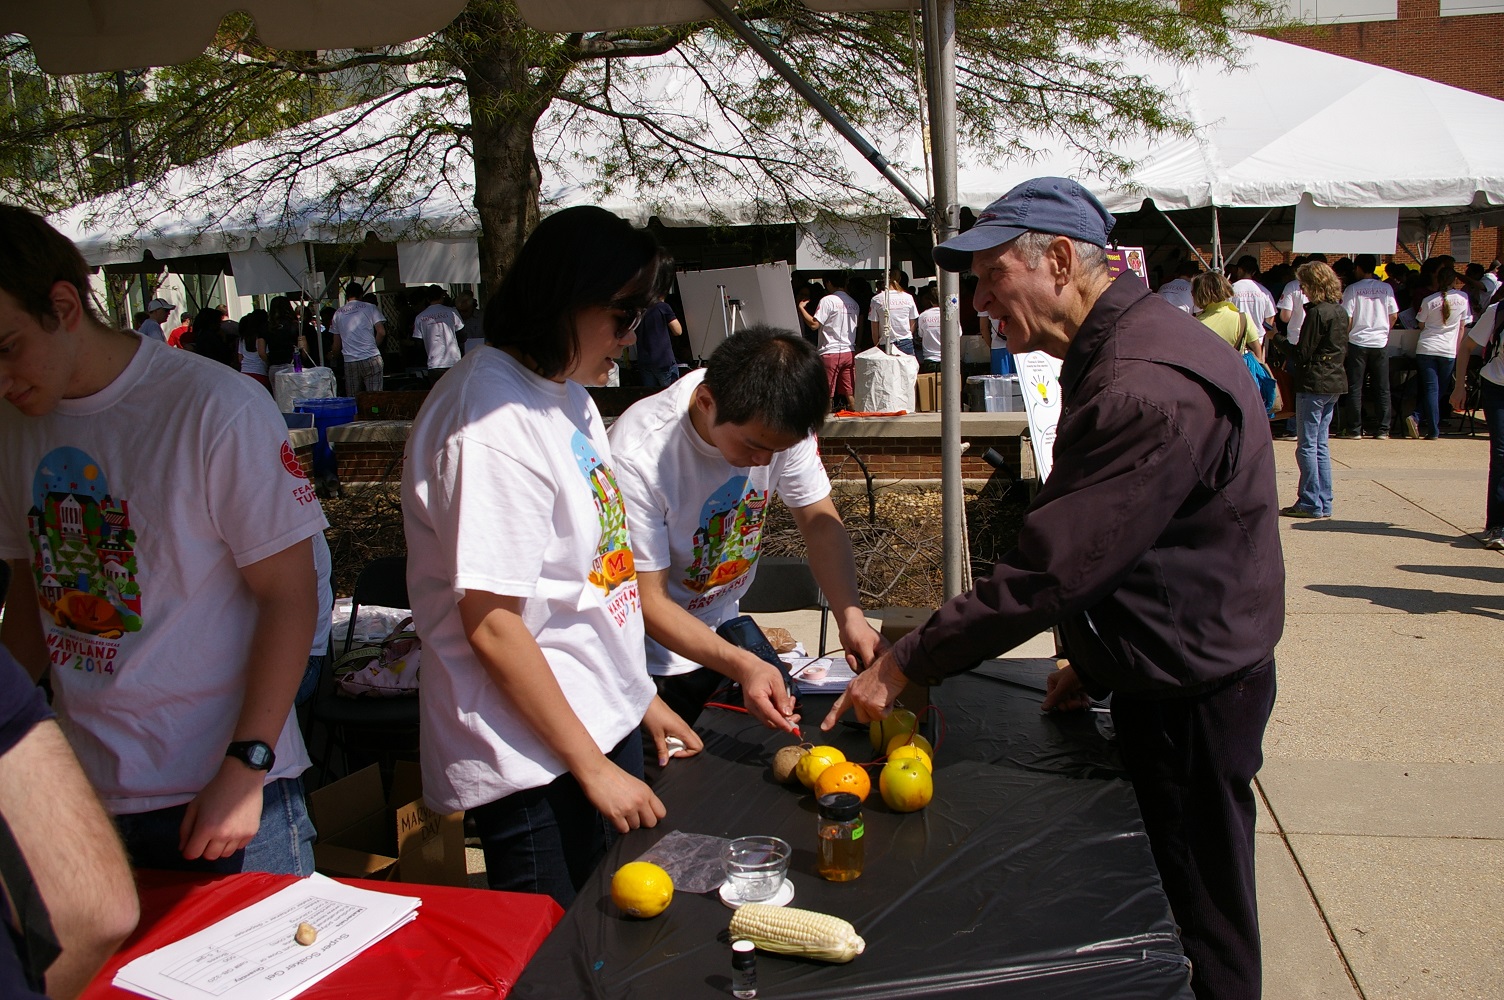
column 839, row 807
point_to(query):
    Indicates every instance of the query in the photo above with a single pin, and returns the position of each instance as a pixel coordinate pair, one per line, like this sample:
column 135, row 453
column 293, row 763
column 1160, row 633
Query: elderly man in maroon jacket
column 1154, row 546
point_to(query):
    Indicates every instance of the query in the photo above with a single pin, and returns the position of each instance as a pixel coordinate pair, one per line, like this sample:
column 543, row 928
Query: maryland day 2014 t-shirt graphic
column 84, row 562
column 613, row 567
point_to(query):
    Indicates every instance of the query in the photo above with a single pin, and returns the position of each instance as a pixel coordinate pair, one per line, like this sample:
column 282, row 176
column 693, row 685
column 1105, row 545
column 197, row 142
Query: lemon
column 817, row 760
column 641, row 889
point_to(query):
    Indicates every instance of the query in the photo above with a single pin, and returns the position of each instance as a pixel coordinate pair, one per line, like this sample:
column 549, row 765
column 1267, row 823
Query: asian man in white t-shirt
column 697, row 465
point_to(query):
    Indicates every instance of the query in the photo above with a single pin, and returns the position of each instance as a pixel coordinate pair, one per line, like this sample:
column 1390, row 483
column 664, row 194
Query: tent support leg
column 1216, row 241
column 1189, row 245
column 1255, row 229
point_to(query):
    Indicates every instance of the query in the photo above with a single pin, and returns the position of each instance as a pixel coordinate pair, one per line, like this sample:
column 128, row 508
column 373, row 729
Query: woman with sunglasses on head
column 520, row 568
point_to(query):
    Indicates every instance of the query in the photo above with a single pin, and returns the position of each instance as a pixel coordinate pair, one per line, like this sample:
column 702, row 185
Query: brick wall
column 369, row 461
column 305, row 459
column 887, row 459
column 1458, row 51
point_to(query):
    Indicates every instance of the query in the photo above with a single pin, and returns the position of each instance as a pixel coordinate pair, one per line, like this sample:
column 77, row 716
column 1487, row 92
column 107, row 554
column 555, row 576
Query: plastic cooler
column 326, row 413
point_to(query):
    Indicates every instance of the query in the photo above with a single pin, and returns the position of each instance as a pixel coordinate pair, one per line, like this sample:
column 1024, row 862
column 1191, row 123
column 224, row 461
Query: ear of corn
column 791, row 931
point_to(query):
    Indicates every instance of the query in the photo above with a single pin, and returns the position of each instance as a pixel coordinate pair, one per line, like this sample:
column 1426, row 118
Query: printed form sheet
column 253, row 955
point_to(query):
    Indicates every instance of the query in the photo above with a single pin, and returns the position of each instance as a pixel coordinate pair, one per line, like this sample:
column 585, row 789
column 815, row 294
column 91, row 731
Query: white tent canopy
column 1289, row 123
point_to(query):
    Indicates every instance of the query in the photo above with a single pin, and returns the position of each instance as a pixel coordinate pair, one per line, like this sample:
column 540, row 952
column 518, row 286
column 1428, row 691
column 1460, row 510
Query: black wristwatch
column 253, row 753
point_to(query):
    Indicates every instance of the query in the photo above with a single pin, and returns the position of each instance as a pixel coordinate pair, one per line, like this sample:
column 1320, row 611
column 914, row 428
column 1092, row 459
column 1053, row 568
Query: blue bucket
column 326, row 413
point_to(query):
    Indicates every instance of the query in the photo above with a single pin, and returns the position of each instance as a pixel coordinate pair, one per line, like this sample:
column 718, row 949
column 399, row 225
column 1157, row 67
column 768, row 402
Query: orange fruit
column 844, row 777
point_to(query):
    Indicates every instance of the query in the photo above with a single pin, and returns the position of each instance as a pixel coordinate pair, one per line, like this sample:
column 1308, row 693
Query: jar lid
column 839, row 806
column 742, row 944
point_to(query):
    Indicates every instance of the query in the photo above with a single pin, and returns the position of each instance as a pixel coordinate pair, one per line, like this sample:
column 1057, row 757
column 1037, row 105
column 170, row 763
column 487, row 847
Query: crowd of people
column 1350, row 365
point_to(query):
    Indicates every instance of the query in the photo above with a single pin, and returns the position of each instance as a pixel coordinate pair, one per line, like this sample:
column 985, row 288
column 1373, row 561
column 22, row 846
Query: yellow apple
column 817, row 760
column 906, row 785
column 881, row 731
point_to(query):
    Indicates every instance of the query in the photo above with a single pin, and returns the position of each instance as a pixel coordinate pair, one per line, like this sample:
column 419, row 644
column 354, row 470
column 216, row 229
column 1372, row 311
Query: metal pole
column 819, row 103
column 945, row 222
column 1216, row 240
column 1255, row 229
column 1188, row 243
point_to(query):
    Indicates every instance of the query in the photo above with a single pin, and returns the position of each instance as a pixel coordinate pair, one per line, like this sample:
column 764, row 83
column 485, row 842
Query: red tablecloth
column 465, row 942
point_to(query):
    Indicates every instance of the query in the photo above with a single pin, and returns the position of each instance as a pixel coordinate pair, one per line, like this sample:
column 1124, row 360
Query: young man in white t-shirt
column 359, row 329
column 835, row 320
column 168, row 587
column 697, row 465
column 1177, row 291
column 1373, row 308
column 437, row 326
column 893, row 314
column 1251, row 298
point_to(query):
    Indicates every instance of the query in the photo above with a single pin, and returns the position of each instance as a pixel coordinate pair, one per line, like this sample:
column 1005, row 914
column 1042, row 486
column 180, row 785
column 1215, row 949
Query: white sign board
column 1344, row 230
column 734, row 298
column 843, row 245
column 439, row 262
column 1039, row 379
column 272, row 272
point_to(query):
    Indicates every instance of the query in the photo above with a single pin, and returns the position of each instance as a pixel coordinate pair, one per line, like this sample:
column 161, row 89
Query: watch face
column 258, row 755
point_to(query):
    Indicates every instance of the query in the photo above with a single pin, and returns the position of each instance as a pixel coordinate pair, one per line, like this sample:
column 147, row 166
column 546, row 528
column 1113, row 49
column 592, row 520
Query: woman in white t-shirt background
column 1443, row 316
column 1487, row 333
column 927, row 330
column 893, row 314
column 520, row 568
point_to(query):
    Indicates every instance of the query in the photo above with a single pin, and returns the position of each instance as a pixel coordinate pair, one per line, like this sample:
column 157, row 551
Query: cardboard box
column 898, row 622
column 397, row 838
column 927, row 393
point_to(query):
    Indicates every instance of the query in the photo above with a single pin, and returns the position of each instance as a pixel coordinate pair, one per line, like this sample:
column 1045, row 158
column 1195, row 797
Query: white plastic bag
column 311, row 383
column 885, row 382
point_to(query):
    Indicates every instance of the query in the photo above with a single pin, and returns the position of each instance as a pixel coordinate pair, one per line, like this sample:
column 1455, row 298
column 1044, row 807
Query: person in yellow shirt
column 1212, row 295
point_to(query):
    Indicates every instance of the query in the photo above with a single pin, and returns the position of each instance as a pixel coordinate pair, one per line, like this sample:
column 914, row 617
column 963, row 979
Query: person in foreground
column 84, row 901
column 167, row 585
column 698, row 464
column 520, row 568
column 1154, row 546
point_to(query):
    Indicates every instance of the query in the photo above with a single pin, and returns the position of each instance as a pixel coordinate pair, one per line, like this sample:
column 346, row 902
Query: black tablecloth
column 1023, row 878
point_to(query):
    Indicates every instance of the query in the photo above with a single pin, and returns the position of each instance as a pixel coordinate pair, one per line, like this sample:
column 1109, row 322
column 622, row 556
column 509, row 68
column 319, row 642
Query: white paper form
column 251, row 955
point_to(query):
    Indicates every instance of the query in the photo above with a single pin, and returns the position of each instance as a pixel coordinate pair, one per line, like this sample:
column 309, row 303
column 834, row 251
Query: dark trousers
column 687, row 693
column 550, row 839
column 1192, row 762
column 1493, row 413
column 1373, row 363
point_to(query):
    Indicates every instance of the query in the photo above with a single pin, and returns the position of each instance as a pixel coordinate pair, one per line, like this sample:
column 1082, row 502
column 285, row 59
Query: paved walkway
column 1381, row 833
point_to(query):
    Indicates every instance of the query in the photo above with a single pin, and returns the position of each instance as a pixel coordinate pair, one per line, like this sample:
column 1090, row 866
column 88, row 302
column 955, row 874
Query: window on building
column 1342, row 11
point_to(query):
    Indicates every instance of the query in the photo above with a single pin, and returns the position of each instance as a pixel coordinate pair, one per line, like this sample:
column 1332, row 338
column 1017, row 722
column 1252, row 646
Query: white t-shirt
column 1373, row 307
column 1479, row 333
column 507, row 488
column 695, row 514
column 1438, row 336
column 901, row 312
column 250, row 359
column 1293, row 299
column 996, row 340
column 355, row 323
column 837, row 316
column 929, row 334
column 1254, row 301
column 136, row 550
column 151, row 329
column 436, row 327
column 1178, row 294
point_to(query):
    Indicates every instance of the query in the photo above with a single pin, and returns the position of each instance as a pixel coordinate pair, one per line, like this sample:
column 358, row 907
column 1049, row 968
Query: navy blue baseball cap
column 1055, row 205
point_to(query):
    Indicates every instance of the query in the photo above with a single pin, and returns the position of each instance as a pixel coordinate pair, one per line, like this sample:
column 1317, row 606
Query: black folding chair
column 785, row 583
column 387, row 724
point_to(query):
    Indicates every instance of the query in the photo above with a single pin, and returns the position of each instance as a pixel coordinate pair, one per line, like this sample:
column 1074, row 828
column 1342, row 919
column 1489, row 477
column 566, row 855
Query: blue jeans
column 549, row 839
column 906, row 346
column 283, row 845
column 1313, row 422
column 1493, row 413
column 1435, row 382
column 657, row 377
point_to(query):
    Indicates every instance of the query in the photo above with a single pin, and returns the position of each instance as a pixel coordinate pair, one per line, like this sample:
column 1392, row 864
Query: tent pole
column 940, row 66
column 1216, row 241
column 819, row 103
column 1189, row 245
column 1255, row 229
column 308, row 294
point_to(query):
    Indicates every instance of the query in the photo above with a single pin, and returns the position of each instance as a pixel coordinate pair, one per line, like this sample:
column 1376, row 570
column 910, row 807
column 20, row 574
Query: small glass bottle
column 743, row 970
column 841, row 848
